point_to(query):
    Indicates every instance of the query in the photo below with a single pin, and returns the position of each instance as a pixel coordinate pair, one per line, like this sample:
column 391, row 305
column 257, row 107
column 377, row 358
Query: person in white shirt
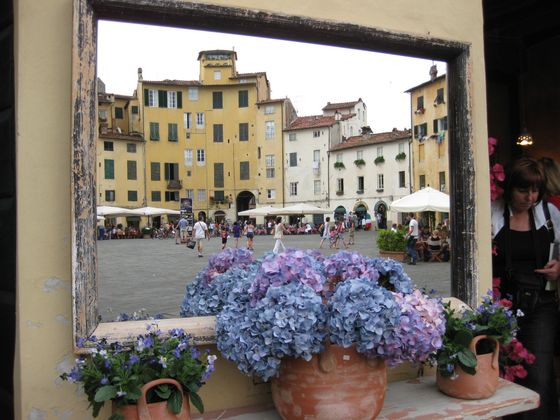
column 279, row 230
column 412, row 238
column 200, row 232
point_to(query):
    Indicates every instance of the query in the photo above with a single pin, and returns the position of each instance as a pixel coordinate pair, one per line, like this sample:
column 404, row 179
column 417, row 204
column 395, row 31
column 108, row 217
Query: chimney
column 433, row 72
column 140, row 73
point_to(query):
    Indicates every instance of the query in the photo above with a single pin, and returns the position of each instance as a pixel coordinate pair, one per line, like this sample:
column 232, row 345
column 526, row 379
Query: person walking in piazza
column 224, row 235
column 250, row 233
column 182, row 229
column 279, row 230
column 236, row 233
column 351, row 232
column 200, row 232
column 326, row 232
column 412, row 238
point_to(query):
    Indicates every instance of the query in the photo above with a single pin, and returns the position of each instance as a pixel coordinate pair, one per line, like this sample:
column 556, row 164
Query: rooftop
column 367, row 139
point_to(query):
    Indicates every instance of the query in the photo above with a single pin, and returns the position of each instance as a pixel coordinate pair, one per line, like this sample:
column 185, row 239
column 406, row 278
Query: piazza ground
column 151, row 274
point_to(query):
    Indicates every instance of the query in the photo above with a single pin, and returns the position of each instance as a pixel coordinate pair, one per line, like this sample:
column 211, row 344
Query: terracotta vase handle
column 143, row 411
column 496, row 352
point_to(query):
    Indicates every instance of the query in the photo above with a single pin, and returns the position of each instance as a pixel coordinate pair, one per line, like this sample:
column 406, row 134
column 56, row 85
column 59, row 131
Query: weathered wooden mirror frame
column 249, row 22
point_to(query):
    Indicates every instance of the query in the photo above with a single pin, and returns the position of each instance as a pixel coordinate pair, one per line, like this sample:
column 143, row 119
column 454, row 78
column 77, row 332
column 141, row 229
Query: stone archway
column 245, row 200
column 380, row 209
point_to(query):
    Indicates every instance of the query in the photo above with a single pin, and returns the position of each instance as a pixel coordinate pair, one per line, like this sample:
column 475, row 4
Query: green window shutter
column 154, row 131
column 218, row 175
column 146, row 97
column 131, row 169
column 172, row 132
column 243, row 98
column 167, row 171
column 162, row 98
column 175, row 171
column 243, row 131
column 109, row 169
column 179, row 99
column 244, row 170
column 119, row 113
column 155, row 171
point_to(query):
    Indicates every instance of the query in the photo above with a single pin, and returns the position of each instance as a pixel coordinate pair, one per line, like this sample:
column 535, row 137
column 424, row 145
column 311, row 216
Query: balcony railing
column 174, row 184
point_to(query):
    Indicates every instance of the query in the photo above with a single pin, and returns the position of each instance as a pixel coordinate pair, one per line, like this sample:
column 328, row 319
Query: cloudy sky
column 310, row 75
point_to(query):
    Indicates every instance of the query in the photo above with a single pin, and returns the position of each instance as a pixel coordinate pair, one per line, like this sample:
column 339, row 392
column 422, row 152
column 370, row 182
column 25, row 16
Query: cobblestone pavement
column 151, row 274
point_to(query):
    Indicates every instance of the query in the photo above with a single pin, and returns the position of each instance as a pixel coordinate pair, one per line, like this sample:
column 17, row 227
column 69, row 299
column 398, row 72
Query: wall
column 43, row 120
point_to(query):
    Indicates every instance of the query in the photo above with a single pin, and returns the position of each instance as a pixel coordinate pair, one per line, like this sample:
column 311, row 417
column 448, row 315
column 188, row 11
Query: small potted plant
column 339, row 165
column 400, row 156
column 379, row 160
column 479, row 346
column 300, row 314
column 359, row 162
column 156, row 371
column 392, row 244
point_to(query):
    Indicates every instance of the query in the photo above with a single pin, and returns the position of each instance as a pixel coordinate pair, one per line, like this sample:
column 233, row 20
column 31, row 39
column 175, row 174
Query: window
column 442, row 181
column 317, row 187
column 188, row 157
column 130, row 147
column 401, row 147
column 420, row 130
column 316, row 133
column 109, row 169
column 151, row 97
column 108, row 146
column 217, row 100
column 189, row 173
column 379, row 151
column 156, row 195
column 402, row 179
column 131, row 170
column 243, row 98
column 154, row 131
column 293, row 159
column 419, row 102
column 132, row 195
column 339, row 157
column 217, row 75
column 174, row 99
column 162, row 98
column 119, row 114
column 439, row 97
column 155, row 174
column 171, row 195
column 134, row 110
column 200, row 120
column 187, row 120
column 218, row 133
column 200, row 157
column 270, row 131
column 271, row 193
column 201, row 195
column 316, row 155
column 380, row 182
column 292, row 137
column 193, row 93
column 293, row 188
column 244, row 171
column 190, row 193
column 172, row 134
column 171, row 171
column 259, row 152
column 422, row 181
column 421, row 153
column 219, row 196
column 360, row 184
column 270, row 165
column 243, row 131
column 269, row 109
column 340, row 185
column 359, row 154
column 102, row 115
column 109, row 195
column 218, row 175
column 440, row 124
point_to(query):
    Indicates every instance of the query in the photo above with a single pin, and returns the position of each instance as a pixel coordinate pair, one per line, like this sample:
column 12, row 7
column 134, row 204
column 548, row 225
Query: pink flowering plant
column 290, row 304
column 116, row 372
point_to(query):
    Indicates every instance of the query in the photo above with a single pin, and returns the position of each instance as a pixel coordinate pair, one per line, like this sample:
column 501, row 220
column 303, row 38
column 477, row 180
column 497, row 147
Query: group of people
column 333, row 233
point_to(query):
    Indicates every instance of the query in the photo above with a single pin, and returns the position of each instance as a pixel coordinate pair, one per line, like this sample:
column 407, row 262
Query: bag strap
column 548, row 220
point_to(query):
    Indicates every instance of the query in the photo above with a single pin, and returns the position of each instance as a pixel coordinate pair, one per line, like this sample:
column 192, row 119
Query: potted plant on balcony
column 400, row 156
column 392, row 244
column 339, row 165
column 337, row 321
column 359, row 162
column 379, row 160
column 153, row 374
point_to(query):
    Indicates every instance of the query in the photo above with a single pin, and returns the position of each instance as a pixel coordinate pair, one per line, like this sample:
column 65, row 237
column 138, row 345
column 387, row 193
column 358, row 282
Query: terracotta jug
column 339, row 383
column 482, row 384
column 155, row 411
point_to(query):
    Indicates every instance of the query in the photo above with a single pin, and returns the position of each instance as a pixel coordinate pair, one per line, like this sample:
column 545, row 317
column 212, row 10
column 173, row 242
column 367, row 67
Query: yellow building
column 430, row 157
column 209, row 139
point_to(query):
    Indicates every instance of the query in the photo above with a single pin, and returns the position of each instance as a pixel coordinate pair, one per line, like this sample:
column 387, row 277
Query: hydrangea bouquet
column 291, row 304
column 113, row 372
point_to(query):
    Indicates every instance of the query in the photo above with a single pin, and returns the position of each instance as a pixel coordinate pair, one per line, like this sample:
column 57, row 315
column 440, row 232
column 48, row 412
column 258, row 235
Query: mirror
column 186, row 14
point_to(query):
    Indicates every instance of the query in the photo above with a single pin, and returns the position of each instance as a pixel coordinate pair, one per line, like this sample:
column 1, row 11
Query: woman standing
column 326, row 232
column 522, row 261
column 279, row 230
column 250, row 233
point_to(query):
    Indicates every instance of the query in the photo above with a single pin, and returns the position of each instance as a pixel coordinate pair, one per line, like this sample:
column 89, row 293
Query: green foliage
column 359, row 162
column 401, row 156
column 339, row 165
column 387, row 240
column 378, row 160
column 146, row 230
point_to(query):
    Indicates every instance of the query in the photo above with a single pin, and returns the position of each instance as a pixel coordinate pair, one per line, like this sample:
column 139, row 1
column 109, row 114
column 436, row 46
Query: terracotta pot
column 399, row 256
column 155, row 411
column 337, row 384
column 482, row 384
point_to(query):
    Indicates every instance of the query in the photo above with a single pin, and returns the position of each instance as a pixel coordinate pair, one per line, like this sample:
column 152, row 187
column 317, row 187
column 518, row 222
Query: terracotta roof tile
column 367, row 139
column 340, row 105
column 169, row 82
column 311, row 121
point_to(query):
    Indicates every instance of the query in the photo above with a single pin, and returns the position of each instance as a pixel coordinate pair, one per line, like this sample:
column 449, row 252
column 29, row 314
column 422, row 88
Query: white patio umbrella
column 427, row 199
column 115, row 211
column 302, row 208
column 260, row 211
column 155, row 211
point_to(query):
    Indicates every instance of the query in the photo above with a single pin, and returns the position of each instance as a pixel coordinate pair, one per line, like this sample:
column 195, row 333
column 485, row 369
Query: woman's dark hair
column 524, row 173
column 278, row 219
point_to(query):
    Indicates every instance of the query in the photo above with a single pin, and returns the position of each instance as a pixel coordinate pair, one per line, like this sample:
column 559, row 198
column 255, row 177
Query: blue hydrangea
column 392, row 271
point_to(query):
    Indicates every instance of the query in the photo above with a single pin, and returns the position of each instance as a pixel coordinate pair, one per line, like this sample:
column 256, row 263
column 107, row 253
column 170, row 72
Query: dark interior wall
column 7, row 208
